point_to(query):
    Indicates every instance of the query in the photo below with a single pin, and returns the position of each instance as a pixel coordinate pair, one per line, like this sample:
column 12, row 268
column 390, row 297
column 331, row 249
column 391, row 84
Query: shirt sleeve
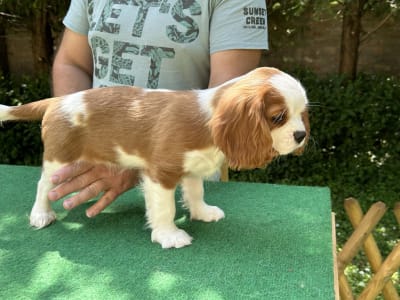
column 77, row 17
column 238, row 25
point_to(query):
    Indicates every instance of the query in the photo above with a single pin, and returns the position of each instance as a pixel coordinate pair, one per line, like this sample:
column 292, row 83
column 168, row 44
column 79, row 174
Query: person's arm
column 73, row 66
column 229, row 64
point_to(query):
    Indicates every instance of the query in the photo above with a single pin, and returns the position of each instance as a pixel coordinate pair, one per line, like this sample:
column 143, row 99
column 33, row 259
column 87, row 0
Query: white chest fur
column 203, row 163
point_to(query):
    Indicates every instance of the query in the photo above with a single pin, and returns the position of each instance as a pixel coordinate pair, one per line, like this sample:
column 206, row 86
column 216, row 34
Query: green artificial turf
column 275, row 243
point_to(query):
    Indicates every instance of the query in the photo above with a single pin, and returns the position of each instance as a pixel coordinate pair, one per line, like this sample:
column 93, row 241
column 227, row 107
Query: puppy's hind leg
column 42, row 213
column 193, row 198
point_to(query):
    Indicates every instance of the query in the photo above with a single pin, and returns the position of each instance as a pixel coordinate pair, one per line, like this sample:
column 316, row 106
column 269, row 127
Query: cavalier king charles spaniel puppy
column 172, row 137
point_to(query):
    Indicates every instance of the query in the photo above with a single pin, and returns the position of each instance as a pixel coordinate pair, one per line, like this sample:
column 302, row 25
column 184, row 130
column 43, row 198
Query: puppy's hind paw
column 42, row 219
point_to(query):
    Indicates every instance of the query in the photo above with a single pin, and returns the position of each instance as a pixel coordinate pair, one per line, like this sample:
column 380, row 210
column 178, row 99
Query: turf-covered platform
column 275, row 243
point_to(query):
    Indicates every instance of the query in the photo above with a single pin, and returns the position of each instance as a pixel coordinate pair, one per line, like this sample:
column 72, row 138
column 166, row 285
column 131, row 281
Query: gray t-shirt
column 164, row 43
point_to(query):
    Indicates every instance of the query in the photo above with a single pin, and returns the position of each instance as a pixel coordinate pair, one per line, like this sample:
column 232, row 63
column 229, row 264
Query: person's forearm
column 68, row 79
column 229, row 64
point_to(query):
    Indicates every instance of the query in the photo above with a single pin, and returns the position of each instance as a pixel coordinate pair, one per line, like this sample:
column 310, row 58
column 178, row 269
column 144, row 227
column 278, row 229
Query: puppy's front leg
column 42, row 214
column 193, row 198
column 160, row 211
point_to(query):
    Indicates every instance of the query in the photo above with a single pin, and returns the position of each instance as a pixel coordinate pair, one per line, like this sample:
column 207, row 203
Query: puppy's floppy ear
column 306, row 122
column 239, row 128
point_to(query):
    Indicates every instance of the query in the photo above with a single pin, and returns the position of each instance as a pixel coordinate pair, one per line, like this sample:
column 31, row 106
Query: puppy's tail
column 28, row 112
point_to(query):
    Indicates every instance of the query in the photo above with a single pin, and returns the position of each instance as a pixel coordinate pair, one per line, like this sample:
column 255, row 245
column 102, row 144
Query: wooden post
column 371, row 249
column 334, row 252
column 344, row 288
column 389, row 266
column 360, row 234
column 224, row 172
column 397, row 211
column 354, row 243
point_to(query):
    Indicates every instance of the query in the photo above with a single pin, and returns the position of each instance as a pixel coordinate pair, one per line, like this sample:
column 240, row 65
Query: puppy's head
column 261, row 115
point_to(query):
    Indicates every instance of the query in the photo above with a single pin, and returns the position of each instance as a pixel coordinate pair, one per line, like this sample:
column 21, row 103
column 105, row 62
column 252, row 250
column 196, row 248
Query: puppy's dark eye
column 279, row 118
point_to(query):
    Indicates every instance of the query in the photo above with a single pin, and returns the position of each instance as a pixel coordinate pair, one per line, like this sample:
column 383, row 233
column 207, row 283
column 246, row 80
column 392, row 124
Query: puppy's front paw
column 207, row 213
column 171, row 238
column 40, row 219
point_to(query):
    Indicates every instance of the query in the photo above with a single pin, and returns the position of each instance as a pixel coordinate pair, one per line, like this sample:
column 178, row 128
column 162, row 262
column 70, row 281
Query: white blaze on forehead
column 292, row 90
column 74, row 108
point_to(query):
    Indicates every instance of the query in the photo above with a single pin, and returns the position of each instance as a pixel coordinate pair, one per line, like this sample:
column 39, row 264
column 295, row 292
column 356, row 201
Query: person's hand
column 89, row 181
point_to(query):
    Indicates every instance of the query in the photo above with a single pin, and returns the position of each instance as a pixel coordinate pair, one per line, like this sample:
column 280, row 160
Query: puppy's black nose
column 299, row 136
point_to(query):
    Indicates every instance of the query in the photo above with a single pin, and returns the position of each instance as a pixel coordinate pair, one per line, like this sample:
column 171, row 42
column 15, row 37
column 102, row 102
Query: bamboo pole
column 360, row 234
column 389, row 266
column 371, row 249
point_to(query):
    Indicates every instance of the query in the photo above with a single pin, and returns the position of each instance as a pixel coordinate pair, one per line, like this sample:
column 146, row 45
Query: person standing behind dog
column 169, row 44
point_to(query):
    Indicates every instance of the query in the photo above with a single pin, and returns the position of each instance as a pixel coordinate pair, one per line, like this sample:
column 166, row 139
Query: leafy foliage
column 25, row 9
column 20, row 143
column 21, row 13
column 286, row 17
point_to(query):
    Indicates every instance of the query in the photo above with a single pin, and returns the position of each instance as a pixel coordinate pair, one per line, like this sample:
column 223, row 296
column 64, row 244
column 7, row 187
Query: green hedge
column 20, row 143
